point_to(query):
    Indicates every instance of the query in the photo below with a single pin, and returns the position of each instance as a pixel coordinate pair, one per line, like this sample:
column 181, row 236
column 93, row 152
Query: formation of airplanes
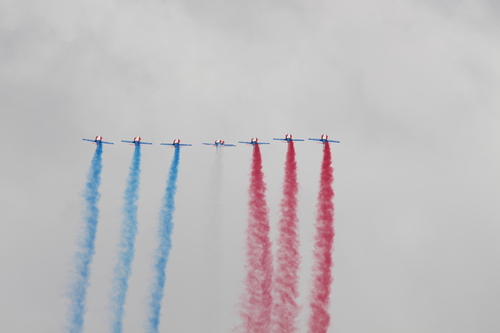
column 218, row 143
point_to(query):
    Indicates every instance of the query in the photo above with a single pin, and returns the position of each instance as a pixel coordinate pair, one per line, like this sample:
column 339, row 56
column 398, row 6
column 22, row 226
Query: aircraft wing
column 95, row 141
column 176, row 144
column 137, row 142
column 324, row 140
column 253, row 143
column 280, row 139
column 219, row 145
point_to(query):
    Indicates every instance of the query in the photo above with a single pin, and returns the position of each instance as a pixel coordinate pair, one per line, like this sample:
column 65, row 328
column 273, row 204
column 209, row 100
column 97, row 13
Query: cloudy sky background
column 409, row 87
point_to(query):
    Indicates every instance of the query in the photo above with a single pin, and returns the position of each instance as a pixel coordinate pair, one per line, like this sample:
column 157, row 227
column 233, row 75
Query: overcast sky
column 410, row 88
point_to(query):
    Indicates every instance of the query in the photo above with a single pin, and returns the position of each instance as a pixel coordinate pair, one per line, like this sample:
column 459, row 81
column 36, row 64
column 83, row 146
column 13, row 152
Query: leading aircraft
column 176, row 143
column 98, row 141
column 254, row 141
column 288, row 138
column 220, row 143
column 324, row 138
column 137, row 141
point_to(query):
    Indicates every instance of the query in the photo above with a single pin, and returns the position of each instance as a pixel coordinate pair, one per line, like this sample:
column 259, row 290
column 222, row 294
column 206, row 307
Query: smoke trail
column 257, row 300
column 126, row 249
column 163, row 251
column 83, row 257
column 319, row 319
column 212, row 285
column 285, row 308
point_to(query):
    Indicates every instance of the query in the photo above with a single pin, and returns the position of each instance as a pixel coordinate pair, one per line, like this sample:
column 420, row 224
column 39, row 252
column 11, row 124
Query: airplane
column 219, row 143
column 137, row 141
column 176, row 143
column 288, row 138
column 98, row 141
column 324, row 138
column 254, row 141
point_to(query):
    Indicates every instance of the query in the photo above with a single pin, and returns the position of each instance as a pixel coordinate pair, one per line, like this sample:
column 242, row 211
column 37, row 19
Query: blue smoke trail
column 165, row 245
column 83, row 257
column 126, row 249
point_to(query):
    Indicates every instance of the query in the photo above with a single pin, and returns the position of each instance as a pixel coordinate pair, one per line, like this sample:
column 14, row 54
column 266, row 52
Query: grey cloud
column 409, row 88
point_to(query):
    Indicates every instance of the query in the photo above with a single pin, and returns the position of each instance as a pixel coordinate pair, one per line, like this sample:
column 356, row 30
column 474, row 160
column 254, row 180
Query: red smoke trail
column 257, row 301
column 323, row 248
column 285, row 308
